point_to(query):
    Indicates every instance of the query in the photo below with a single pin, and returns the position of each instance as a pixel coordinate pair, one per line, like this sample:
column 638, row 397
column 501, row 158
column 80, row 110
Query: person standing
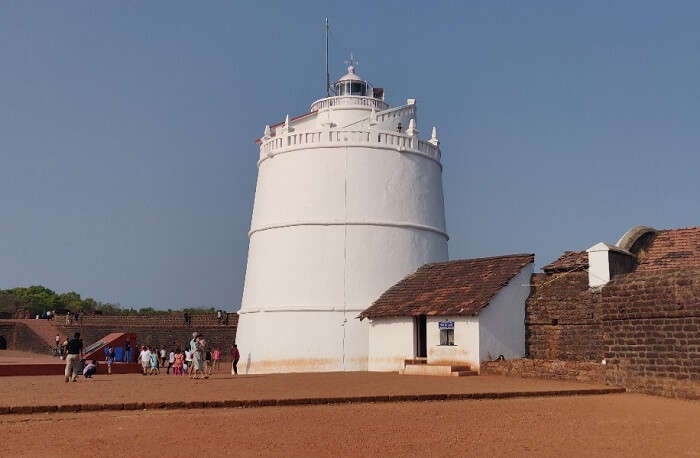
column 127, row 351
column 217, row 356
column 198, row 358
column 58, row 345
column 163, row 357
column 207, row 361
column 178, row 362
column 188, row 361
column 154, row 362
column 109, row 358
column 171, row 361
column 235, row 356
column 74, row 347
column 145, row 359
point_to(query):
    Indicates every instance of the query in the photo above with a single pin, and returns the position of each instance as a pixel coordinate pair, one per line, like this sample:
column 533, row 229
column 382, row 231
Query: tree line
column 39, row 299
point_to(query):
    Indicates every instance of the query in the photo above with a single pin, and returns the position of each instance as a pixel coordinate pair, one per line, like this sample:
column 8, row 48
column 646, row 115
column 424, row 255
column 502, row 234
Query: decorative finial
column 412, row 131
column 268, row 133
column 287, row 128
column 433, row 137
column 352, row 63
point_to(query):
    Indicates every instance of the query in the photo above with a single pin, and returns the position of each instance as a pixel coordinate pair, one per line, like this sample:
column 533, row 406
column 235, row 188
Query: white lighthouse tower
column 348, row 201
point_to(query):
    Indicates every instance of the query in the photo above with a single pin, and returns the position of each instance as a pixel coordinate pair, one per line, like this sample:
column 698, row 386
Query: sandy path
column 610, row 425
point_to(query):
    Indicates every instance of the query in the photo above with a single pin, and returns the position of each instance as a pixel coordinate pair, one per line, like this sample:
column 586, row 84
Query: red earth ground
column 51, row 389
column 608, row 425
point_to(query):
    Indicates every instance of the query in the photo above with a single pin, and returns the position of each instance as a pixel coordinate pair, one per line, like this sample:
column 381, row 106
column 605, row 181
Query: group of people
column 197, row 360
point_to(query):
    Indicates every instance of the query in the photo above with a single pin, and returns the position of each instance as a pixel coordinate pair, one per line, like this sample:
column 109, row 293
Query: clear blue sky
column 127, row 163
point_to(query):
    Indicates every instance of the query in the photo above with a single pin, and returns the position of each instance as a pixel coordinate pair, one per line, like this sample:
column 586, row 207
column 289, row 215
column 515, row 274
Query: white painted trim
column 308, row 146
column 402, row 225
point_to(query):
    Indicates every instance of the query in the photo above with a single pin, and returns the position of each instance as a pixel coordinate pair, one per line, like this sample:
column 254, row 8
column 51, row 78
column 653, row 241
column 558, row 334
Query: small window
column 356, row 89
column 447, row 336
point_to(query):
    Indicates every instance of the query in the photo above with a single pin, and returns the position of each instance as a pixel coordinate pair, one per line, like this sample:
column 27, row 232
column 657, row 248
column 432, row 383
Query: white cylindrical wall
column 332, row 228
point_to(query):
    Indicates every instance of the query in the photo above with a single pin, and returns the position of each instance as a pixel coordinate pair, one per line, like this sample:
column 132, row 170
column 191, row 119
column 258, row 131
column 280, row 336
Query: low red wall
column 15, row 370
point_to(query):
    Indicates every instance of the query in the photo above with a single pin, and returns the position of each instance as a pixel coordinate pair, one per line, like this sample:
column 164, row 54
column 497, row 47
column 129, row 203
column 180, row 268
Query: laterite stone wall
column 561, row 319
column 645, row 325
column 158, row 330
column 651, row 328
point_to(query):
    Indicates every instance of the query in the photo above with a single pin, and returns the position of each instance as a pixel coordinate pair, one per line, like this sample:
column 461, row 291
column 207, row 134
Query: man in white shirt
column 188, row 360
column 162, row 356
column 145, row 359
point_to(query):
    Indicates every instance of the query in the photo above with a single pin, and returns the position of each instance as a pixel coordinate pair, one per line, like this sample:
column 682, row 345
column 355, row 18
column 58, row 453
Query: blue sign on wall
column 446, row 324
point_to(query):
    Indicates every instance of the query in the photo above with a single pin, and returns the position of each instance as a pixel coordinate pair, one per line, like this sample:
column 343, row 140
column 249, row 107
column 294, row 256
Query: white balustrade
column 319, row 139
column 349, row 100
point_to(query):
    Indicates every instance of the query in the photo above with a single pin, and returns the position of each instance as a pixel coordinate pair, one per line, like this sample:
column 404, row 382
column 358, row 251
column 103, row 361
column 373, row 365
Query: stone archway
column 3, row 343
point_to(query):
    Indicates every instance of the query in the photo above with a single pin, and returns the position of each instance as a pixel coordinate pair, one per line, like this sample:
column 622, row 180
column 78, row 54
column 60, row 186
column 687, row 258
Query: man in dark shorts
column 74, row 348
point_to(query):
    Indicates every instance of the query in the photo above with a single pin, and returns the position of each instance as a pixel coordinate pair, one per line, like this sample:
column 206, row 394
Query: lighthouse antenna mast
column 328, row 76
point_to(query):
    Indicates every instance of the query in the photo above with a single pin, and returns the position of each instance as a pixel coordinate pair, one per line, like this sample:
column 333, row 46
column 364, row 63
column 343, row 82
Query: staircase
column 420, row 366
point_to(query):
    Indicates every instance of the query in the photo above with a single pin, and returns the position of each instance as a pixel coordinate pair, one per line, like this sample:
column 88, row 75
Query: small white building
column 455, row 313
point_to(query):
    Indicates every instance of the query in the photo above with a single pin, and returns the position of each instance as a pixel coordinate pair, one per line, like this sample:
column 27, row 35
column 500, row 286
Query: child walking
column 154, row 363
column 178, row 362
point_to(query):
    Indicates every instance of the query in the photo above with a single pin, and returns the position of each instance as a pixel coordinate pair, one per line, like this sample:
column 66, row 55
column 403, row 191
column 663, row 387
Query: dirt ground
column 609, row 425
column 23, row 357
column 50, row 389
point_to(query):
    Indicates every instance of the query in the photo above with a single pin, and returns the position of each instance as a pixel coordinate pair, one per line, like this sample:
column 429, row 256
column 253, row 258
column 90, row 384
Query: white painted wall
column 598, row 265
column 502, row 322
column 391, row 341
column 465, row 351
column 333, row 227
column 302, row 341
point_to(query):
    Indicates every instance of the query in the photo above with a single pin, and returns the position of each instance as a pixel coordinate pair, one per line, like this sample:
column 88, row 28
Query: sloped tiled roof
column 461, row 287
column 568, row 262
column 671, row 249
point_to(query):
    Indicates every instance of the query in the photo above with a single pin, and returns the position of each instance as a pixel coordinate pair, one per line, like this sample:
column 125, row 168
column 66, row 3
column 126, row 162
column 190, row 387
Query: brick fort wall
column 170, row 331
column 561, row 319
column 20, row 336
column 651, row 329
column 645, row 325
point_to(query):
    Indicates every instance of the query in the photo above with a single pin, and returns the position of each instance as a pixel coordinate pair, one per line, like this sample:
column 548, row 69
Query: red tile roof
column 671, row 249
column 570, row 261
column 461, row 287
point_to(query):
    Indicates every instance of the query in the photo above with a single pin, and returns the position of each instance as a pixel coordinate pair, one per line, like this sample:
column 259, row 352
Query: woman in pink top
column 216, row 355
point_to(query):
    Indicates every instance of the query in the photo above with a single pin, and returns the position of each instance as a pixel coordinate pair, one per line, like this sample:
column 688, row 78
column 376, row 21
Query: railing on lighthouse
column 318, row 138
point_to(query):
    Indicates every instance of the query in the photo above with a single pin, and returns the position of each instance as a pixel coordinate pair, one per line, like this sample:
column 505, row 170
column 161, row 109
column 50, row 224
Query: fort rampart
column 169, row 330
column 644, row 326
